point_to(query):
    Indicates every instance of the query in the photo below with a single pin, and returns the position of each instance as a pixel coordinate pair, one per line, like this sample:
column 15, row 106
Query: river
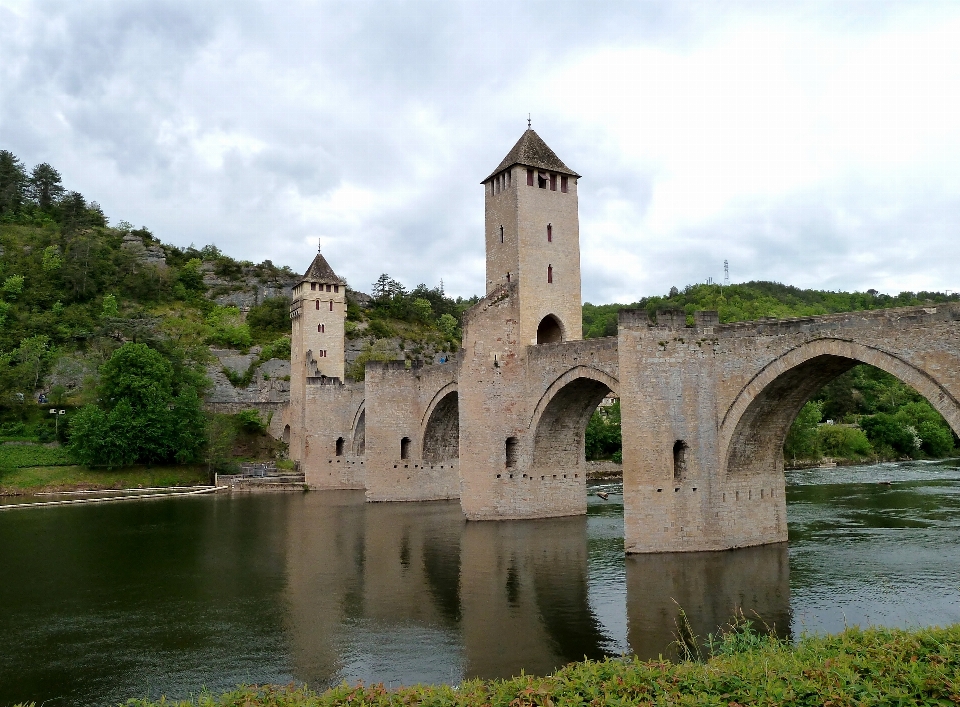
column 99, row 603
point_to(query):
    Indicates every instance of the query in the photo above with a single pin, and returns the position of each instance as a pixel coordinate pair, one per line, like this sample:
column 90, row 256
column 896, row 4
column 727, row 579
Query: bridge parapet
column 704, row 321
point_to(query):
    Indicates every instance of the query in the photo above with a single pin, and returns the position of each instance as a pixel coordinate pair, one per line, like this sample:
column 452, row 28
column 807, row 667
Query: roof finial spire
column 528, row 121
column 319, row 244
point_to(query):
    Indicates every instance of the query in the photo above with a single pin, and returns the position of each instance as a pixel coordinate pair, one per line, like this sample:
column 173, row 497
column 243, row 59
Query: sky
column 815, row 144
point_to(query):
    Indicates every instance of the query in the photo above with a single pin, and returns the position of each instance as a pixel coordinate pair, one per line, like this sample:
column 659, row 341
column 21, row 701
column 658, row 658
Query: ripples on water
column 102, row 603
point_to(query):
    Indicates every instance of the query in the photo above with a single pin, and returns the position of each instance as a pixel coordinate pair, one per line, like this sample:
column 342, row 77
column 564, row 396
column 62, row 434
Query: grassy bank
column 873, row 667
column 70, row 478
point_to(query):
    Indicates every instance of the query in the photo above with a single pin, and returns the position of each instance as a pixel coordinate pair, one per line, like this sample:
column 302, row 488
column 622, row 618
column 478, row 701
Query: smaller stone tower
column 318, row 313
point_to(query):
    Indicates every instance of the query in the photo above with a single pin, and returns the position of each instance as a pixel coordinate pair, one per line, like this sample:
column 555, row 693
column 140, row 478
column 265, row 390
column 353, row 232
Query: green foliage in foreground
column 872, row 667
column 18, row 456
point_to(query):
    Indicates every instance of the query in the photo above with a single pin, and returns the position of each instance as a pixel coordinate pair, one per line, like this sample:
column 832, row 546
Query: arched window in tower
column 331, row 305
column 549, row 233
column 501, row 234
column 549, row 274
column 405, row 448
column 320, row 328
column 318, row 304
column 339, row 448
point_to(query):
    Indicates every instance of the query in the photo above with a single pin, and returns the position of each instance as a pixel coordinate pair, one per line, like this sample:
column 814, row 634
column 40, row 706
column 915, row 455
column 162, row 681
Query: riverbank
column 38, row 479
column 875, row 666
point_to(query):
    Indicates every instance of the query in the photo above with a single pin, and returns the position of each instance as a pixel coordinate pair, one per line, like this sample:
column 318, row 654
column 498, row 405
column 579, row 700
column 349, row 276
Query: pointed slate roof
column 321, row 271
column 532, row 151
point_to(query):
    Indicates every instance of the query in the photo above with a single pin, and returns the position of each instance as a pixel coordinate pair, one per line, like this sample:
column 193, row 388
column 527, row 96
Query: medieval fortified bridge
column 705, row 408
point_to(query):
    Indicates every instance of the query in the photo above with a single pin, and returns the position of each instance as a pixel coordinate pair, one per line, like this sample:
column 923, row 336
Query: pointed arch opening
column 360, row 434
column 756, row 426
column 441, row 437
column 549, row 331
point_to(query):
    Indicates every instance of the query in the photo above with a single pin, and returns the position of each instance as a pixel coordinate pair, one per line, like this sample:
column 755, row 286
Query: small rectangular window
column 313, row 285
column 550, row 274
column 549, row 233
column 331, row 305
column 329, row 288
column 336, row 288
column 542, row 181
column 529, row 177
column 563, row 183
column 553, row 182
column 508, row 179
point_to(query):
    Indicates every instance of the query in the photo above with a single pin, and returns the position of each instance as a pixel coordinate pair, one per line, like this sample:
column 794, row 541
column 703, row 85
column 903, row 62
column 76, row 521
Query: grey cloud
column 420, row 99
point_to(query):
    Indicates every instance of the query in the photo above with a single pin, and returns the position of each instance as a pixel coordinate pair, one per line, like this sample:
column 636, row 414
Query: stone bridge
column 705, row 412
column 705, row 408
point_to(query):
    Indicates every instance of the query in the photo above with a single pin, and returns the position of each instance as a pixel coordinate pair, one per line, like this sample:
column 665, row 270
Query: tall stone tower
column 533, row 239
column 318, row 311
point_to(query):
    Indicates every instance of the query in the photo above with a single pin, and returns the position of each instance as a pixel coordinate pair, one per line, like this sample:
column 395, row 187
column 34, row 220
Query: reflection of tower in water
column 525, row 602
column 711, row 588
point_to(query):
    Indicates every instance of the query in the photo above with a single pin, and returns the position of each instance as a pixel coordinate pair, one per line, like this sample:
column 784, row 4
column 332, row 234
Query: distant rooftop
column 532, row 151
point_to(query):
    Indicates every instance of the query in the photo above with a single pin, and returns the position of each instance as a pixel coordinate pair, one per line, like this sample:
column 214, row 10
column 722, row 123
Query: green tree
column 447, row 324
column 269, row 318
column 13, row 182
column 13, row 286
column 802, row 440
column 140, row 416
column 110, row 307
column 52, row 259
column 45, row 186
column 422, row 309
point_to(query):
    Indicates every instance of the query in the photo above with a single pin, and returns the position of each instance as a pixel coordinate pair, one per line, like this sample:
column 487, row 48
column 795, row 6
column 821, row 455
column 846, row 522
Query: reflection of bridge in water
column 412, row 592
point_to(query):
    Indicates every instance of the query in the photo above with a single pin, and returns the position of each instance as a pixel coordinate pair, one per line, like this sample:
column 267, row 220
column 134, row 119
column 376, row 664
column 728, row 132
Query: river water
column 100, row 603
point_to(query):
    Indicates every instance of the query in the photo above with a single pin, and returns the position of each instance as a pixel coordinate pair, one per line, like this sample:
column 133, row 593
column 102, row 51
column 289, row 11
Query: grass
column 61, row 478
column 16, row 456
column 856, row 667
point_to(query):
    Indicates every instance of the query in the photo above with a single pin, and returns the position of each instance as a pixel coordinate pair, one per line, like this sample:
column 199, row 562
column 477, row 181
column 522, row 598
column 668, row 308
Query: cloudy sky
column 817, row 144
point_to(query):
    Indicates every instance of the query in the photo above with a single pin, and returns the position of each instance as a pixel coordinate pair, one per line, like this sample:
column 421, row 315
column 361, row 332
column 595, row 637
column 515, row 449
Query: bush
column 270, row 318
column 228, row 329
column 249, row 421
column 843, row 442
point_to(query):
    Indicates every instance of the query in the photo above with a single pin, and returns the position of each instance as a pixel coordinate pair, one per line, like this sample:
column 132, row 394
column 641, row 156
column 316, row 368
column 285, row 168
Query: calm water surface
column 102, row 603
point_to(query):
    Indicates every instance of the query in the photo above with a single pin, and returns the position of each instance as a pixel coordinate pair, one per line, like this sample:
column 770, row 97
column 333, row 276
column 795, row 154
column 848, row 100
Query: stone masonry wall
column 727, row 394
column 398, row 403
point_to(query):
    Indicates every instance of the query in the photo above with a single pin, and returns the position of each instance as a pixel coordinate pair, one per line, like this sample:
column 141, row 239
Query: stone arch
column 550, row 330
column 360, row 432
column 755, row 425
column 560, row 418
column 441, row 434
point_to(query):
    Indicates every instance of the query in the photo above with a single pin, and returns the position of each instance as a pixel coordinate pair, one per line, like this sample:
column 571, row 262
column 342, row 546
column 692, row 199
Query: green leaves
column 139, row 418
